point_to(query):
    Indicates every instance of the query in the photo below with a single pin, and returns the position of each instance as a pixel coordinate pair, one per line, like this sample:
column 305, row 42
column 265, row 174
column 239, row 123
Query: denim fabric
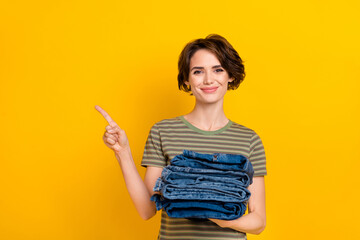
column 200, row 209
column 202, row 191
column 188, row 175
column 201, row 186
column 221, row 161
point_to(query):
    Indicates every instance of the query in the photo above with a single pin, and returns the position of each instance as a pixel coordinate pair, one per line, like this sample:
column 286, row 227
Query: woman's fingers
column 109, row 142
column 110, row 129
column 115, row 131
column 107, row 117
column 111, row 136
column 114, row 137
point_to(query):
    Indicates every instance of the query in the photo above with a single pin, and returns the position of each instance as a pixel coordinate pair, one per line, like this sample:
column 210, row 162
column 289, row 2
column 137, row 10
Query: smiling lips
column 209, row 90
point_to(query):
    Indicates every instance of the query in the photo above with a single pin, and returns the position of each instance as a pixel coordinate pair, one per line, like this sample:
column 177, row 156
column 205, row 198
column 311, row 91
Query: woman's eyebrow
column 216, row 66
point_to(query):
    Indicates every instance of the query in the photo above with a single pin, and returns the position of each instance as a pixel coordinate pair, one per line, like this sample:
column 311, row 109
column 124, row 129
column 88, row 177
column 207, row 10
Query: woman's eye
column 219, row 70
column 196, row 72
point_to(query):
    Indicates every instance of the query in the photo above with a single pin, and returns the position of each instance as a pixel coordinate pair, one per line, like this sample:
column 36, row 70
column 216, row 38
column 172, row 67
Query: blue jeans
column 204, row 186
column 200, row 209
column 202, row 191
column 188, row 175
column 221, row 161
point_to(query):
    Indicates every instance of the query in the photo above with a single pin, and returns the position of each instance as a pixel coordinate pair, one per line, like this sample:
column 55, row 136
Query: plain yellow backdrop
column 58, row 59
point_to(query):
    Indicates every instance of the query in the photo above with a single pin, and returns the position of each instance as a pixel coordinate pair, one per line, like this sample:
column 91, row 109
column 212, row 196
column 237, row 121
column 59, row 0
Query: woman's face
column 207, row 78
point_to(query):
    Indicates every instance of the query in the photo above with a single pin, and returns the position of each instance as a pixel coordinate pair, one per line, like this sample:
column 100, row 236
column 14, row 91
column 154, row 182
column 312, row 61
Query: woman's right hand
column 114, row 137
column 140, row 191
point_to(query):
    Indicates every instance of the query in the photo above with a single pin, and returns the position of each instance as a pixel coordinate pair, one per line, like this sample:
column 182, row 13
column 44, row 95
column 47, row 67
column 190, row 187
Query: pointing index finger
column 106, row 116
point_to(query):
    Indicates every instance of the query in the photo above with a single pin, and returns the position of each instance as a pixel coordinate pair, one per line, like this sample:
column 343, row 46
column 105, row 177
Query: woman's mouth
column 209, row 89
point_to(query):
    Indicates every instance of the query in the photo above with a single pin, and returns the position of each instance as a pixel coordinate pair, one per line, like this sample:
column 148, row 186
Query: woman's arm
column 140, row 191
column 254, row 222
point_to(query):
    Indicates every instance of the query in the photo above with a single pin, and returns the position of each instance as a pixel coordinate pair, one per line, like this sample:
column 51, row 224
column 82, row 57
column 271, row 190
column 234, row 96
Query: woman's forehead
column 204, row 58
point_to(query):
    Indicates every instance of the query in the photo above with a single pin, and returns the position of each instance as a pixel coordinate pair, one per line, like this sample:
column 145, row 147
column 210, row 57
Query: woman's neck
column 208, row 117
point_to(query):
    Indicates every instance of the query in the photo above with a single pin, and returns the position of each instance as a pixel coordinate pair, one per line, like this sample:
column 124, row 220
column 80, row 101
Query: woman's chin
column 208, row 100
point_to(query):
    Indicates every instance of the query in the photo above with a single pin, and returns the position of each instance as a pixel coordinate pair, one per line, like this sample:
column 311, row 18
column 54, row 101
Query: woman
column 207, row 69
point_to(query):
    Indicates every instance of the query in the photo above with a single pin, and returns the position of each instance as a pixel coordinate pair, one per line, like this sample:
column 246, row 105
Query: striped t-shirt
column 169, row 137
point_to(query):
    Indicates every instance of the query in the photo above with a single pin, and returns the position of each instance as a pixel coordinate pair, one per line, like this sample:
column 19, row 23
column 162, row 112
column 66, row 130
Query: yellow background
column 58, row 59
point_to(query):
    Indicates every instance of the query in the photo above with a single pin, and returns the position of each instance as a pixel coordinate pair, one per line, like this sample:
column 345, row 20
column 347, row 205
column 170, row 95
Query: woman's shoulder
column 167, row 122
column 235, row 126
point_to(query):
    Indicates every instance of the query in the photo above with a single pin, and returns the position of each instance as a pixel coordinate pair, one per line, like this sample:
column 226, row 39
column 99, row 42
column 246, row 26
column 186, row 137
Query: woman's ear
column 231, row 79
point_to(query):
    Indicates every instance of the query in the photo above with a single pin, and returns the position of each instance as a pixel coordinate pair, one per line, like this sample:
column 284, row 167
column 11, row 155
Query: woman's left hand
column 255, row 221
column 221, row 223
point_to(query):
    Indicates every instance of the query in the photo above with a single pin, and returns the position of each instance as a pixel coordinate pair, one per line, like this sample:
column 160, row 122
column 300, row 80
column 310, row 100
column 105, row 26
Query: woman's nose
column 208, row 78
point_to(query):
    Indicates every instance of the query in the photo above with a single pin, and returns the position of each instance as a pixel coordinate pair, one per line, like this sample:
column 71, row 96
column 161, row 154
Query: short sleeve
column 257, row 156
column 153, row 154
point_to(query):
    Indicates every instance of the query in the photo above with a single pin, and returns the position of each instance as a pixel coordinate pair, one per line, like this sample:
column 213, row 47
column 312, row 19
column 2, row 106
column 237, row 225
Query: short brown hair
column 218, row 45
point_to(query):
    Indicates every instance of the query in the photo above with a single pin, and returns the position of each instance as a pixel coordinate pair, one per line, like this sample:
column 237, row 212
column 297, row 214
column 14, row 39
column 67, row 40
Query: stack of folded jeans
column 201, row 186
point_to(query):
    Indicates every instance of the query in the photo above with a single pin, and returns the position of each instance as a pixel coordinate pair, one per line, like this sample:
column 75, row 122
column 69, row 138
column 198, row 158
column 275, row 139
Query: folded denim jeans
column 202, row 186
column 221, row 161
column 223, row 158
column 187, row 175
column 203, row 194
column 200, row 209
column 196, row 180
column 202, row 191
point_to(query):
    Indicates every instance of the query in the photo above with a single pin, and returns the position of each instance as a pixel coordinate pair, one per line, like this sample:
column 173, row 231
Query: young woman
column 207, row 69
